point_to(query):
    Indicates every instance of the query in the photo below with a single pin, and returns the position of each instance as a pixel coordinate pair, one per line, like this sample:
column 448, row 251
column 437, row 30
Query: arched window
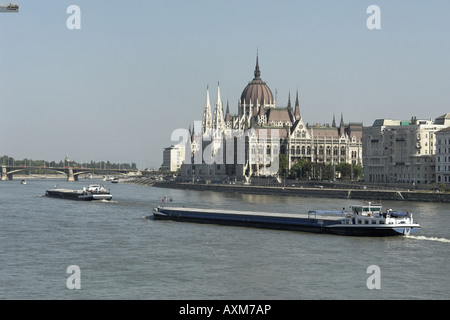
column 321, row 150
column 335, row 151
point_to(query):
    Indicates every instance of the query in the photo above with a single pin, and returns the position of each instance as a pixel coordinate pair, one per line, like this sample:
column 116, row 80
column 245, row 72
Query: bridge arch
column 7, row 172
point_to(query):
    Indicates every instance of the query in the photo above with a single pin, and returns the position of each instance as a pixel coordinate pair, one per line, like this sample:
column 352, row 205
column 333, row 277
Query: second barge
column 89, row 193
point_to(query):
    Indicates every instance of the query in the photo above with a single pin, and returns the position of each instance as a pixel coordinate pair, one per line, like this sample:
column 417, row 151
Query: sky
column 136, row 71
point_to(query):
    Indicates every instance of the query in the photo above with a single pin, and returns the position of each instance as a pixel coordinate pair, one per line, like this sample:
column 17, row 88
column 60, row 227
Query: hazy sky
column 137, row 70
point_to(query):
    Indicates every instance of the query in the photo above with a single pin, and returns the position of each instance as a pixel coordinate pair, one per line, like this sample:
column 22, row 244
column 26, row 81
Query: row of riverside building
column 237, row 147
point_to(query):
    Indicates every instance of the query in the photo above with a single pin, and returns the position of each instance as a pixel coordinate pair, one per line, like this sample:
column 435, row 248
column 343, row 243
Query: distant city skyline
column 135, row 71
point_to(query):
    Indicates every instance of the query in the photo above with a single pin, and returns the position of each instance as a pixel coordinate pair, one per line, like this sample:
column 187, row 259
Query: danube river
column 118, row 254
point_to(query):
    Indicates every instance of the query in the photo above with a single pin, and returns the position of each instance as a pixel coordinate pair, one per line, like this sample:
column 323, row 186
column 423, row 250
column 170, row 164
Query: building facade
column 397, row 151
column 249, row 142
column 173, row 158
column 443, row 156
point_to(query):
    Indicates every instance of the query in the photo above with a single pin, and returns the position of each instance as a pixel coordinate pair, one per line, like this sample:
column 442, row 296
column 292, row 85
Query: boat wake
column 106, row 201
column 429, row 238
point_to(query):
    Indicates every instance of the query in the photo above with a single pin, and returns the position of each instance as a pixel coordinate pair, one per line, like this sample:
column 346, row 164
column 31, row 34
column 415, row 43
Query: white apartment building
column 397, row 151
column 443, row 156
column 173, row 158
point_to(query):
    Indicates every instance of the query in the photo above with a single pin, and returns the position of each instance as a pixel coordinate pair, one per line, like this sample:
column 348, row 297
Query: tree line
column 306, row 170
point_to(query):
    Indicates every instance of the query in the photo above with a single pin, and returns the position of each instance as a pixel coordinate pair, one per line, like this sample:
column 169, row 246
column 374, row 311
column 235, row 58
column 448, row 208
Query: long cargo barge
column 363, row 220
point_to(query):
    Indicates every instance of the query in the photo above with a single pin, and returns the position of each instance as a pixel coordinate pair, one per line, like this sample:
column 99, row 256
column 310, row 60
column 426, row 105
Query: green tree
column 301, row 169
column 283, row 165
column 349, row 171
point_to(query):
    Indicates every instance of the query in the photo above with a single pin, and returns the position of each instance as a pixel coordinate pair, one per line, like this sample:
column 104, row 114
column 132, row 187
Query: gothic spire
column 289, row 100
column 218, row 95
column 218, row 119
column 207, row 119
column 297, row 107
column 227, row 113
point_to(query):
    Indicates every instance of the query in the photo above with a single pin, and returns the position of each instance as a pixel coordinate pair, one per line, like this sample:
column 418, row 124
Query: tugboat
column 370, row 220
column 89, row 193
column 363, row 220
column 95, row 192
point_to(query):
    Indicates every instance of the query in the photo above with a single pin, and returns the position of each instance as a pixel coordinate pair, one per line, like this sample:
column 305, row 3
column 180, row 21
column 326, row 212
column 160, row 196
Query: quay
column 355, row 194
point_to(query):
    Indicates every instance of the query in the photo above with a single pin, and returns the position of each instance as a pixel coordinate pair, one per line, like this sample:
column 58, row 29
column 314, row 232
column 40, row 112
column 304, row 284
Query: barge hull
column 279, row 222
column 76, row 195
column 277, row 225
column 375, row 231
column 63, row 194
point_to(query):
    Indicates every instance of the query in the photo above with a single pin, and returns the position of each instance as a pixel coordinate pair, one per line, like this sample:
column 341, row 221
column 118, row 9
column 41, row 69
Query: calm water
column 123, row 256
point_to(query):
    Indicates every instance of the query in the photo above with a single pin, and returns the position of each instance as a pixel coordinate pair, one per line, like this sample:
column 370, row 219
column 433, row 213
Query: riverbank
column 360, row 194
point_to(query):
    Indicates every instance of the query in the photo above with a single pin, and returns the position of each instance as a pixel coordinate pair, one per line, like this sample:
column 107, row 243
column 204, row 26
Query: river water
column 121, row 255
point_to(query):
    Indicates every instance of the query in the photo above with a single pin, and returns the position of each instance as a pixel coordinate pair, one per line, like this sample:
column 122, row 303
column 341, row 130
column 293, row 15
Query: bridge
column 71, row 172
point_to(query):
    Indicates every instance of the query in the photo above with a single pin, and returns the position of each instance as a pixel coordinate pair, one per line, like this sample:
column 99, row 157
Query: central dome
column 257, row 90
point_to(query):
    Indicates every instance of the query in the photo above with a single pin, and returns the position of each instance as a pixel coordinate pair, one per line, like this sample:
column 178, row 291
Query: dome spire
column 257, row 72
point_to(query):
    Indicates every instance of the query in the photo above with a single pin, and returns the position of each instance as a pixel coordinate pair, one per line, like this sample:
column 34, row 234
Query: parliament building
column 248, row 143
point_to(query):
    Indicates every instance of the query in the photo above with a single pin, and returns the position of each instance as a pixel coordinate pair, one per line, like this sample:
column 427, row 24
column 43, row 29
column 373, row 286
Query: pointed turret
column 342, row 125
column 262, row 110
column 193, row 133
column 218, row 119
column 207, row 118
column 289, row 100
column 227, row 114
column 297, row 108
